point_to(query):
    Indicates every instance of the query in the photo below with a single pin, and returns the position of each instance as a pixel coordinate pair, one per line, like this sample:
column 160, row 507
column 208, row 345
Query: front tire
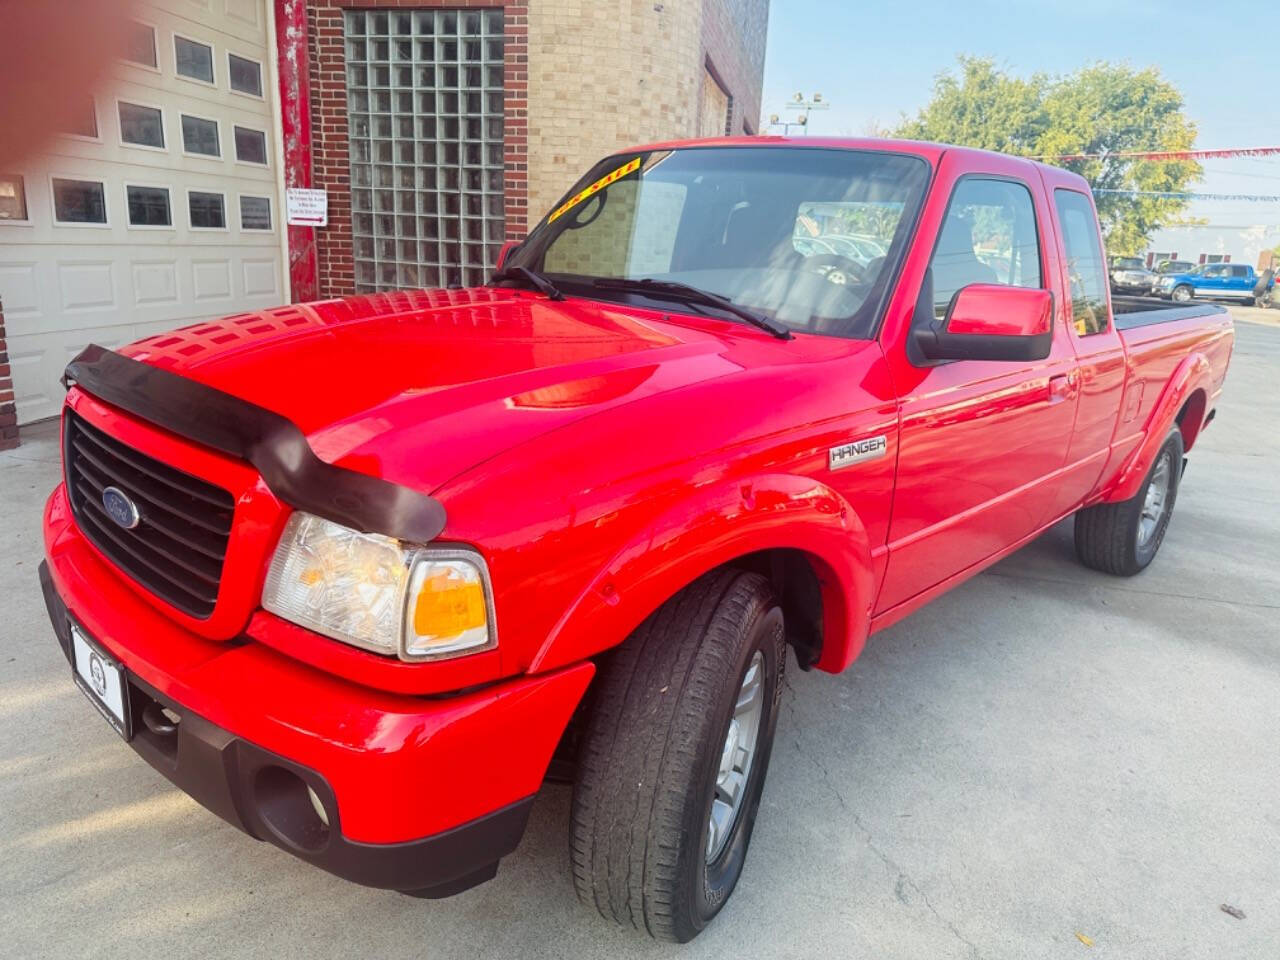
column 1123, row 538
column 1182, row 294
column 681, row 727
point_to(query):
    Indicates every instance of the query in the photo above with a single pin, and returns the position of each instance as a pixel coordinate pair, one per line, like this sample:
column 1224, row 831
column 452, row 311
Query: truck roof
column 931, row 152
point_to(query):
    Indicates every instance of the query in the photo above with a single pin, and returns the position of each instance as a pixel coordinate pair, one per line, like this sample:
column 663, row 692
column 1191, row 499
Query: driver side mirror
column 989, row 321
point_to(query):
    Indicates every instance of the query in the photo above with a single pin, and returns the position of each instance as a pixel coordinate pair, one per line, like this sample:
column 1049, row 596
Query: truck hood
column 418, row 386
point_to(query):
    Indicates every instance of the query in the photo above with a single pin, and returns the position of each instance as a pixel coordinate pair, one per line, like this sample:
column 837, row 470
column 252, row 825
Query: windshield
column 808, row 237
column 1129, row 263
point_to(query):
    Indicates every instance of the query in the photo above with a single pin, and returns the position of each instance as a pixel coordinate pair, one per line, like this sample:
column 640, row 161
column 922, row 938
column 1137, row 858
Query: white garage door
column 160, row 210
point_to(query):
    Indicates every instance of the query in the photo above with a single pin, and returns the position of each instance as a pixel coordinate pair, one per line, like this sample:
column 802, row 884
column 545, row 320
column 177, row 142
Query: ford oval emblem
column 120, row 508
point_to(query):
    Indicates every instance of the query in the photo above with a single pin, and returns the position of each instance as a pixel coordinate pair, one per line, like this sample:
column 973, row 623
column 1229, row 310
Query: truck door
column 1100, row 357
column 1212, row 280
column 1240, row 282
column 981, row 442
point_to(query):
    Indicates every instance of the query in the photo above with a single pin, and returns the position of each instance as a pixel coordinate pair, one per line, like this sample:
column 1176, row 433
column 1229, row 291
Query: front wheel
column 1123, row 538
column 673, row 762
column 1182, row 294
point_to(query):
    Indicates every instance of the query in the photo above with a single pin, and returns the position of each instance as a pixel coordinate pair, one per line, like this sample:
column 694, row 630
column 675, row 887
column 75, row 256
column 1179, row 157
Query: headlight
column 371, row 591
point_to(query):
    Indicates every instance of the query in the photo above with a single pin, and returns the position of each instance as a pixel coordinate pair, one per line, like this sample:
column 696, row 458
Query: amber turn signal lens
column 448, row 607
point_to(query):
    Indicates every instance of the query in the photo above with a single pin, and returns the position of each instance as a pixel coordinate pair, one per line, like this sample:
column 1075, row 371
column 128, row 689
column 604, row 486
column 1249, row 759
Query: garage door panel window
column 141, row 125
column 255, row 213
column 989, row 236
column 206, row 211
column 148, row 206
column 200, row 136
column 80, row 120
column 140, row 45
column 79, row 202
column 13, row 199
column 192, row 59
column 245, row 75
column 251, row 145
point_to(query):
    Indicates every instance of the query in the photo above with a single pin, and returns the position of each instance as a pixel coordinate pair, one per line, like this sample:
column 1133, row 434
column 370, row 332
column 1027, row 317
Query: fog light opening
column 291, row 809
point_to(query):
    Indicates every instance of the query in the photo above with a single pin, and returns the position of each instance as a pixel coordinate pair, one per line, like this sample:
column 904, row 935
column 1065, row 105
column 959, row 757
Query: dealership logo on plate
column 98, row 674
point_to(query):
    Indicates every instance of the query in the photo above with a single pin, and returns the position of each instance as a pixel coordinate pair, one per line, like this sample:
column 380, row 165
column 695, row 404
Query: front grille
column 177, row 548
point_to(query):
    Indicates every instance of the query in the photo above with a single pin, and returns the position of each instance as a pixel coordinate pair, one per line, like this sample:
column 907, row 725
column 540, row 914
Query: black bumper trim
column 274, row 444
column 262, row 793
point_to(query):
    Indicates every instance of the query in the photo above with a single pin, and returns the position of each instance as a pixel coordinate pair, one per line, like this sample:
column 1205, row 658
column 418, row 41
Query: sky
column 875, row 61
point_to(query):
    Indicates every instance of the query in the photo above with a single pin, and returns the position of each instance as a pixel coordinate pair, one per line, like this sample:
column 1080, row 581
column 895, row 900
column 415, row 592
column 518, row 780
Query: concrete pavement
column 1042, row 753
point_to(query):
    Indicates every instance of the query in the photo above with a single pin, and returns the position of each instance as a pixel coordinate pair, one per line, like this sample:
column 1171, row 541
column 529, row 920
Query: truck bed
column 1131, row 312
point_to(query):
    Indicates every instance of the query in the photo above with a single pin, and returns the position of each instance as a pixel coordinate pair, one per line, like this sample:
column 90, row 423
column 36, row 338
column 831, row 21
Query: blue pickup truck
column 1212, row 281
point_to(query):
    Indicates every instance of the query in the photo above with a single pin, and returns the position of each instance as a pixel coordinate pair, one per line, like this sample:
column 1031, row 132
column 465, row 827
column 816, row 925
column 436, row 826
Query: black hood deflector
column 275, row 445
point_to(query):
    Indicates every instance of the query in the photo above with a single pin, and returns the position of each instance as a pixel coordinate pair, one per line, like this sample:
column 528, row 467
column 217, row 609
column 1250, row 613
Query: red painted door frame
column 295, row 131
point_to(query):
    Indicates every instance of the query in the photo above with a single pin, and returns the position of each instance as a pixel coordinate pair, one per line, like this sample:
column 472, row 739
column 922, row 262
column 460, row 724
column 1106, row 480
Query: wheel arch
column 1183, row 403
column 797, row 531
column 1190, row 418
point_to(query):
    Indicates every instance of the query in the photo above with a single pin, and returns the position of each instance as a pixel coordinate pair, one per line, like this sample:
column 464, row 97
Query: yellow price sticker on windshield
column 589, row 191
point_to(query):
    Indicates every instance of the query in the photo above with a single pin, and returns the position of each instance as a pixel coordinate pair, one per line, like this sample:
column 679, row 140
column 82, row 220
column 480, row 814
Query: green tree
column 1106, row 109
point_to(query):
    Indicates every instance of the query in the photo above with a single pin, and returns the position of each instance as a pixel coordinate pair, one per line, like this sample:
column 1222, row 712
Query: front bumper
column 1119, row 286
column 421, row 794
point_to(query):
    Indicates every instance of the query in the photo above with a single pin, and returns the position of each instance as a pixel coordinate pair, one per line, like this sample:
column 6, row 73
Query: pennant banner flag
column 1172, row 194
column 1173, row 154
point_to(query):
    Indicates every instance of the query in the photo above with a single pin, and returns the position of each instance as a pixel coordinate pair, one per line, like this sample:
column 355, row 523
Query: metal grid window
column 425, row 102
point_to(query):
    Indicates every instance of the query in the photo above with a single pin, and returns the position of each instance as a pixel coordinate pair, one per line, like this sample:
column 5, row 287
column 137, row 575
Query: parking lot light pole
column 798, row 102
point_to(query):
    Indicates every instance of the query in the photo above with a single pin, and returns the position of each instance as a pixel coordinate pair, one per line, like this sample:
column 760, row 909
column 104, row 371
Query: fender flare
column 1192, row 374
column 719, row 524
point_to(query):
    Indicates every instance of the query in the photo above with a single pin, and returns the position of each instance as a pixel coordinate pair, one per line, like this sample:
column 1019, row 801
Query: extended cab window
column 988, row 236
column 807, row 237
column 1086, row 271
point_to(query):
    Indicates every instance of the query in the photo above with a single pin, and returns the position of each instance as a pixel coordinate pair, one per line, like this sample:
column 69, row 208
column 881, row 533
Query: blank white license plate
column 101, row 678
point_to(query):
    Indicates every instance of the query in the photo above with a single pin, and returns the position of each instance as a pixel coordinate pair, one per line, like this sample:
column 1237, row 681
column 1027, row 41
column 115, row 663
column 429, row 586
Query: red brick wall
column 330, row 163
column 8, row 415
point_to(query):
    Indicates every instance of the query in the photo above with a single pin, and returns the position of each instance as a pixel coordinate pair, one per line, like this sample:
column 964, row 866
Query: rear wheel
column 673, row 761
column 1123, row 538
column 1182, row 293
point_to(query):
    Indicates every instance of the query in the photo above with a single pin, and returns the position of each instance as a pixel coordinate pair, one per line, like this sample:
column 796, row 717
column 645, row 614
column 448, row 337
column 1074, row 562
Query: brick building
column 436, row 128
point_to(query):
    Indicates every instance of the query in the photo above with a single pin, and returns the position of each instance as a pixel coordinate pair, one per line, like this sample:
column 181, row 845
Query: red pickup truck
column 360, row 575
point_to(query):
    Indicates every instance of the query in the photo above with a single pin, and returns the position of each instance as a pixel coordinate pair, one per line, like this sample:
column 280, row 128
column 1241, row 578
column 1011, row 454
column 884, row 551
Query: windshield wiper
column 674, row 290
column 531, row 277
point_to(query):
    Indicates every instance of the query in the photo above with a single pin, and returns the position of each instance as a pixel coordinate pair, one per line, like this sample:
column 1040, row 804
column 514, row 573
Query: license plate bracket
column 101, row 677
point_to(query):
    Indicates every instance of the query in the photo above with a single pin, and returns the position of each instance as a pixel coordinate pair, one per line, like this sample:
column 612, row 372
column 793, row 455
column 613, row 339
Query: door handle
column 1062, row 387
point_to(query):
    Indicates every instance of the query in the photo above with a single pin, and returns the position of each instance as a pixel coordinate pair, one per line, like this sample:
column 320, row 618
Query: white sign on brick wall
column 306, row 208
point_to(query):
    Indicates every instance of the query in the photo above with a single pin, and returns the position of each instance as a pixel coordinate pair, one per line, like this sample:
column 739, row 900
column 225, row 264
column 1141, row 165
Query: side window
column 989, row 236
column 1239, row 271
column 1086, row 267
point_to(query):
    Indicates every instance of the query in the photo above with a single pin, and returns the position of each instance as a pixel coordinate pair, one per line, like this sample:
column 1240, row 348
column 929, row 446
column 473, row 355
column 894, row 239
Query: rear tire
column 1123, row 538
column 664, row 723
